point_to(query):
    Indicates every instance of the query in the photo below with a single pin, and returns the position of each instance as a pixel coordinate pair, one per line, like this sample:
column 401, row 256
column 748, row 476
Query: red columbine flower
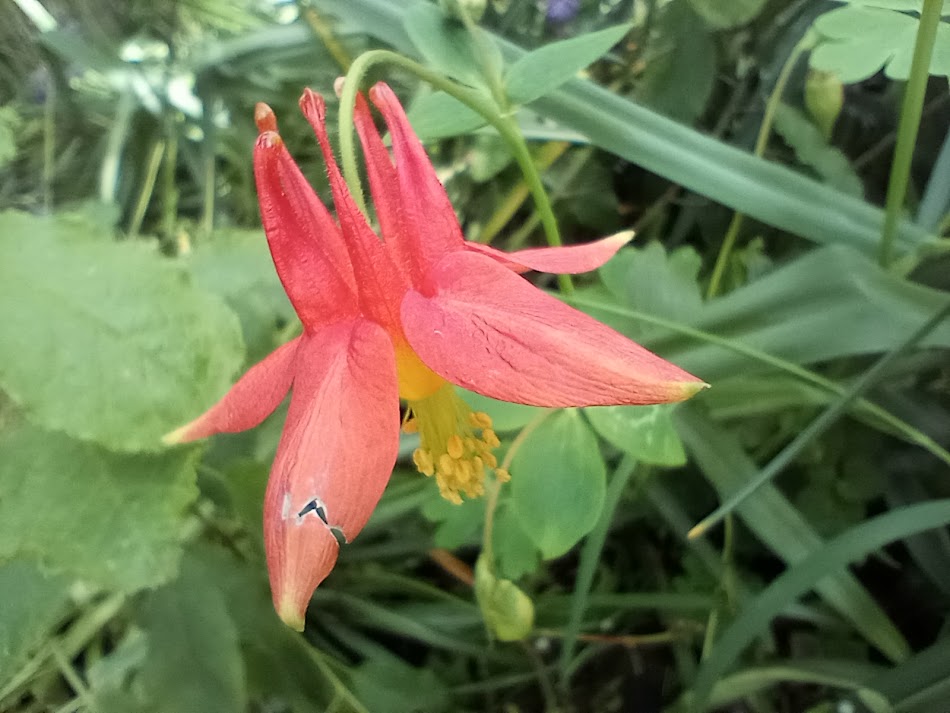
column 405, row 317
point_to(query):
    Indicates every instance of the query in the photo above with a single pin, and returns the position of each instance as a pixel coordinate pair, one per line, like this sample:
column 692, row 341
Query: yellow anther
column 480, row 419
column 502, row 475
column 410, row 426
column 454, row 446
column 423, row 461
column 446, row 464
column 455, row 443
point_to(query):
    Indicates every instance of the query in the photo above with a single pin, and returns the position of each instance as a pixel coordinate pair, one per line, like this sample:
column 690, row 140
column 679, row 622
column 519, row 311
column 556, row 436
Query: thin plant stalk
column 909, row 125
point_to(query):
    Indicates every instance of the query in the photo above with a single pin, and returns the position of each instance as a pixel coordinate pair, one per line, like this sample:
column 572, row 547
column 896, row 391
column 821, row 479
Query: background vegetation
column 791, row 251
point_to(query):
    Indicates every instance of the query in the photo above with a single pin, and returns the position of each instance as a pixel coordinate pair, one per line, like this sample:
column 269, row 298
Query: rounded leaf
column 558, row 482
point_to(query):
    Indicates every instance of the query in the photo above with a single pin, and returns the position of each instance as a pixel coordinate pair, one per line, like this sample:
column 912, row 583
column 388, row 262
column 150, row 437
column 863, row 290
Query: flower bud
column 508, row 612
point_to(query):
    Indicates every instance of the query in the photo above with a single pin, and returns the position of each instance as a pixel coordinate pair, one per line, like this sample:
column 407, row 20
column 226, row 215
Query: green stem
column 506, row 126
column 909, row 124
column 762, row 141
column 148, row 187
column 49, row 144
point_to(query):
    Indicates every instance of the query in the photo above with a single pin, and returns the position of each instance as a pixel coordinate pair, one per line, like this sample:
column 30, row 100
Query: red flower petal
column 569, row 260
column 305, row 242
column 398, row 236
column 379, row 282
column 433, row 227
column 334, row 459
column 252, row 399
column 488, row 330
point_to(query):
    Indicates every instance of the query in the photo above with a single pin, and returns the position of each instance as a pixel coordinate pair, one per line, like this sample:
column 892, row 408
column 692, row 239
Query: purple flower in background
column 562, row 10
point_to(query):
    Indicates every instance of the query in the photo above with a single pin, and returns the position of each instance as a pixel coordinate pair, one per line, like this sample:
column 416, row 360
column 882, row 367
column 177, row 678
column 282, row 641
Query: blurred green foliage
column 135, row 283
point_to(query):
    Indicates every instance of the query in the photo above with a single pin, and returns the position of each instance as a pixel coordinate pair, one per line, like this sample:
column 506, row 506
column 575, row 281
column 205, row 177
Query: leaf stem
column 504, row 124
column 762, row 141
column 911, row 111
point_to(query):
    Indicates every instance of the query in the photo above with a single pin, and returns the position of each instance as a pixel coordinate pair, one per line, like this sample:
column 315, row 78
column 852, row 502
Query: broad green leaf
column 438, row 115
column 654, row 281
column 558, row 482
column 505, row 415
column 645, row 432
column 33, row 602
column 387, row 683
column 679, row 77
column 723, row 14
column 854, row 544
column 813, row 150
column 194, row 660
column 108, row 342
column 515, row 553
column 782, row 528
column 447, row 45
column 861, row 40
column 110, row 519
column 109, row 677
column 546, row 68
column 278, row 663
column 236, row 265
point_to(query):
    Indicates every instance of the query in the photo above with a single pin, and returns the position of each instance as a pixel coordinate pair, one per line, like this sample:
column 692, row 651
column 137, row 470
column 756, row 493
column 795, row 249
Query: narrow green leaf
column 835, row 555
column 108, row 342
column 445, row 43
column 558, row 482
column 542, row 70
column 438, row 115
column 782, row 528
column 921, row 683
column 850, row 675
column 756, row 187
column 110, row 519
column 590, row 558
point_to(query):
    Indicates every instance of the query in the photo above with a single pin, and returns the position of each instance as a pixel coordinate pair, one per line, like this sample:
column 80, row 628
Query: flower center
column 449, row 448
column 416, row 380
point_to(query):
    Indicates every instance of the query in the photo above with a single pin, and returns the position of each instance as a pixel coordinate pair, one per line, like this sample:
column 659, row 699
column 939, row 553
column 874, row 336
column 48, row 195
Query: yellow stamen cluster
column 456, row 443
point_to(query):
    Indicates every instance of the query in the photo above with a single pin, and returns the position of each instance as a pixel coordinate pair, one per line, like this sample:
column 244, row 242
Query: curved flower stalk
column 405, row 317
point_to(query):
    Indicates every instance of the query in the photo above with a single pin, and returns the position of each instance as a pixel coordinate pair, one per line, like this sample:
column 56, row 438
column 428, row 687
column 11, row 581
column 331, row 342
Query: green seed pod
column 824, row 97
column 508, row 612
